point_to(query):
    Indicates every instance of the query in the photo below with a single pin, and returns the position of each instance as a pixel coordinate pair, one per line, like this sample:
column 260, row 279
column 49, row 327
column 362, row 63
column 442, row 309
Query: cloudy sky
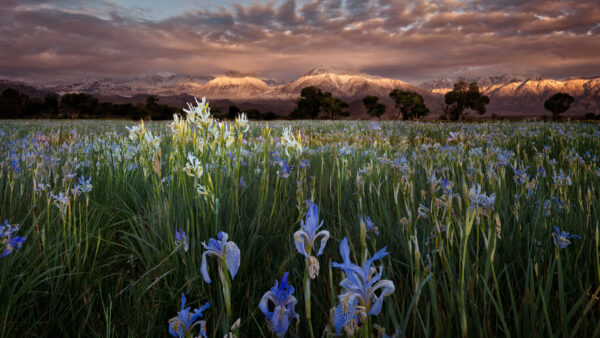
column 66, row 40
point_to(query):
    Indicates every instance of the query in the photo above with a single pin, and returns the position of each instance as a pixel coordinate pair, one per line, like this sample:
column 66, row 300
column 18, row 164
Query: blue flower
column 283, row 304
column 479, row 199
column 182, row 325
column 305, row 237
column 285, row 169
column 360, row 299
column 446, row 187
column 369, row 225
column 561, row 238
column 520, row 176
column 8, row 240
column 181, row 239
column 227, row 252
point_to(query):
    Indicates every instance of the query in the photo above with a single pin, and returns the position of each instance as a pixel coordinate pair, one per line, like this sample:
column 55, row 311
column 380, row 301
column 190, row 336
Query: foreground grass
column 110, row 266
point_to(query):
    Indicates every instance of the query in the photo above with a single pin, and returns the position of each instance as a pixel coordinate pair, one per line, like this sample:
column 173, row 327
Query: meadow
column 430, row 229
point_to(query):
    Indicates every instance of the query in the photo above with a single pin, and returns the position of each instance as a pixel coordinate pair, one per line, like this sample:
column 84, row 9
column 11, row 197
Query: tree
column 253, row 114
column 11, row 102
column 51, row 104
column 463, row 97
column 269, row 116
column 410, row 104
column 233, row 112
column 374, row 108
column 332, row 106
column 558, row 104
column 309, row 104
column 75, row 104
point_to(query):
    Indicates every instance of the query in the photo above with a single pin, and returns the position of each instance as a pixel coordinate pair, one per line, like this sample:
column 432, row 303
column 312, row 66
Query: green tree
column 558, row 104
column 333, row 107
column 233, row 112
column 75, row 104
column 410, row 104
column 11, row 102
column 463, row 97
column 253, row 114
column 374, row 108
column 51, row 104
column 309, row 104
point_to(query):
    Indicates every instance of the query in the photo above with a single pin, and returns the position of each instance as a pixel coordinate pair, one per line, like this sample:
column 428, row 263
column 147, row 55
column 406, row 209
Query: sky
column 413, row 41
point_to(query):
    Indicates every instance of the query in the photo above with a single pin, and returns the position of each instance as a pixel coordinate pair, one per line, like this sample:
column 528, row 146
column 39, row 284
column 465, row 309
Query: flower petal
column 203, row 268
column 232, row 258
column 388, row 289
column 300, row 240
column 325, row 235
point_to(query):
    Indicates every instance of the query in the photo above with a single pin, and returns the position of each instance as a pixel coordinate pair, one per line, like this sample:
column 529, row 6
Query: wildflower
column 521, row 176
column 369, row 225
column 561, row 238
column 228, row 257
column 285, row 171
column 422, row 211
column 193, row 166
column 289, row 142
column 83, row 185
column 242, row 182
column 182, row 325
column 360, row 299
column 200, row 113
column 181, row 240
column 454, row 136
column 40, row 187
column 434, row 181
column 283, row 302
column 479, row 199
column 60, row 201
column 8, row 240
column 561, row 179
column 305, row 238
column 446, row 187
column 228, row 253
column 242, row 122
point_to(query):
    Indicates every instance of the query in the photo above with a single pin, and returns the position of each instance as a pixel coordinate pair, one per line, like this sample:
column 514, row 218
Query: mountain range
column 510, row 94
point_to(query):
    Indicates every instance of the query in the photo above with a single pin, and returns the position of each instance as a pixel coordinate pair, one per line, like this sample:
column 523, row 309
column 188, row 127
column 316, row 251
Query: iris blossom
column 360, row 298
column 182, row 325
column 283, row 302
column 227, row 252
column 305, row 238
column 561, row 238
column 369, row 226
column 181, row 239
column 8, row 240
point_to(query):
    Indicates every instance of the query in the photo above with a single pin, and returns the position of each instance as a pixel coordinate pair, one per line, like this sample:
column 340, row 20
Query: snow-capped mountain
column 347, row 84
column 233, row 86
column 522, row 94
column 511, row 94
column 157, row 84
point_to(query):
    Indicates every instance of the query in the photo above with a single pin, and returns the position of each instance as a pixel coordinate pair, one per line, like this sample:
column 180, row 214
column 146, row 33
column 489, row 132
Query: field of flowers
column 308, row 229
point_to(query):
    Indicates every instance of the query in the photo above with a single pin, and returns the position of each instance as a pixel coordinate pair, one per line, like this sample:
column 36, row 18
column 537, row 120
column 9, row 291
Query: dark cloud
column 410, row 40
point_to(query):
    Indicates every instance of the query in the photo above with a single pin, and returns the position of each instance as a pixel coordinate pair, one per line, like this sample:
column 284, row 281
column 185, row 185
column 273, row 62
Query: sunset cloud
column 408, row 40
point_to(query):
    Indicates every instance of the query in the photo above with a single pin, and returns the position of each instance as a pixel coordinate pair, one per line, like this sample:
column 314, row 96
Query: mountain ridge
column 510, row 94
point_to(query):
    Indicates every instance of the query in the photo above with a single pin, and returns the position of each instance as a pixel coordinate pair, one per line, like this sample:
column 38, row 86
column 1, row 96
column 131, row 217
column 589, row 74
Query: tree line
column 15, row 105
column 313, row 103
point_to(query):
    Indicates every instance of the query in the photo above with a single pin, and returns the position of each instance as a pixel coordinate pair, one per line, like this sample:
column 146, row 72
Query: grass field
column 467, row 212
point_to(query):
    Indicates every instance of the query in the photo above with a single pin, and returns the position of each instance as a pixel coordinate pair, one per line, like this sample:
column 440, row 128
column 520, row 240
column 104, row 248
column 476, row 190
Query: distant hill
column 25, row 88
column 510, row 94
column 518, row 94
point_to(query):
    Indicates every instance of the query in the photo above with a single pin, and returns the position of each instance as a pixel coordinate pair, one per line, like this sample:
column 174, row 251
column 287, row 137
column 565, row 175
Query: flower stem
column 307, row 299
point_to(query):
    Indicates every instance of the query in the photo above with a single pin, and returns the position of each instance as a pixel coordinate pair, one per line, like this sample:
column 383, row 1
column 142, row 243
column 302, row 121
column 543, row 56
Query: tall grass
column 110, row 265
